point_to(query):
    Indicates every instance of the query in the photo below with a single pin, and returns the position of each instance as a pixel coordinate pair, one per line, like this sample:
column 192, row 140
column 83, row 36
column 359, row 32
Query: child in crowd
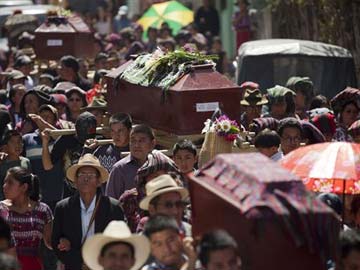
column 218, row 250
column 185, row 156
column 267, row 142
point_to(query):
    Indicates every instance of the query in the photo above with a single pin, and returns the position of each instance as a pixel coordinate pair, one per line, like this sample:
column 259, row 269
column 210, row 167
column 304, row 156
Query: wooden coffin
column 186, row 106
column 59, row 36
column 221, row 193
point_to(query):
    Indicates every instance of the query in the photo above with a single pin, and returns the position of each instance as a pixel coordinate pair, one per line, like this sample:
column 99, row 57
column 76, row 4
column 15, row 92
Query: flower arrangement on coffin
column 223, row 126
column 226, row 128
column 220, row 135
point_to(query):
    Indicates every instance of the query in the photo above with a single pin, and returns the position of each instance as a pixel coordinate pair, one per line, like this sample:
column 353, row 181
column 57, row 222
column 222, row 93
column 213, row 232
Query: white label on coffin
column 207, row 107
column 54, row 42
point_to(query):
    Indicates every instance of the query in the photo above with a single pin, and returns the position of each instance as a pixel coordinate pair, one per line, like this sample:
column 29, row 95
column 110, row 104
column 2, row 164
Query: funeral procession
column 179, row 135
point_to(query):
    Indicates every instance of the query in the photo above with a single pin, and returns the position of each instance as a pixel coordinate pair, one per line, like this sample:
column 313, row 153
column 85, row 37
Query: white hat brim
column 92, row 248
column 144, row 204
column 71, row 172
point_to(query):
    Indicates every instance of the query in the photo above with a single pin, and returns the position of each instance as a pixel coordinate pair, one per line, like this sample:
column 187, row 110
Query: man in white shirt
column 83, row 214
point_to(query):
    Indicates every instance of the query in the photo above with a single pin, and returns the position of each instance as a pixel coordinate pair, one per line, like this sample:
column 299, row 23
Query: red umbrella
column 327, row 167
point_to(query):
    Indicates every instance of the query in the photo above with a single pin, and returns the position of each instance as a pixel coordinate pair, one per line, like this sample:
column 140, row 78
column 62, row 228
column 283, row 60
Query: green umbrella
column 173, row 13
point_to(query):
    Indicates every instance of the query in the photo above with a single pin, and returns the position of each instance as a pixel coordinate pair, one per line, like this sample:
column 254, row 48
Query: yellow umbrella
column 171, row 12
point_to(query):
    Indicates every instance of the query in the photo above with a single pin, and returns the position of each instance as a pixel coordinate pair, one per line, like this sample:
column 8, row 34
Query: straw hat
column 253, row 97
column 96, row 103
column 91, row 161
column 115, row 231
column 160, row 185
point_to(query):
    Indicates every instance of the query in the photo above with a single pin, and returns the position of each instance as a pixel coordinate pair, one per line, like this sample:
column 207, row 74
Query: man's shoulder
column 122, row 162
column 151, row 266
column 66, row 202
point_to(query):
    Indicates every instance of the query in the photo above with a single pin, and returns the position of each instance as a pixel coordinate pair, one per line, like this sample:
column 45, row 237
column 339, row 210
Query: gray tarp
column 273, row 61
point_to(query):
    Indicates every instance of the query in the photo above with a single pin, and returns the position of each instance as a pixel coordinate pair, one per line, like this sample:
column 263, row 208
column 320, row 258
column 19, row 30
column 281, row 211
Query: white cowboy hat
column 160, row 185
column 91, row 161
column 115, row 231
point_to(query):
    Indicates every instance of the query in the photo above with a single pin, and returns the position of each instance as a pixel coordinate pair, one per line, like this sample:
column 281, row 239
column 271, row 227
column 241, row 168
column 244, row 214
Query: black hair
column 98, row 75
column 267, row 138
column 349, row 241
column 122, row 118
column 111, row 244
column 23, row 176
column 70, row 61
column 151, row 28
column 8, row 134
column 212, row 241
column 319, row 101
column 5, row 119
column 289, row 122
column 145, row 129
column 185, row 145
column 3, row 96
column 355, row 204
column 42, row 98
column 5, row 230
column 333, row 201
column 348, row 103
column 158, row 223
column 68, row 94
column 100, row 56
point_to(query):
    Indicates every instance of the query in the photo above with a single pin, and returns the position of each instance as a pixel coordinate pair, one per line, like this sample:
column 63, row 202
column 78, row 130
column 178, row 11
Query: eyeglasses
column 170, row 205
column 296, row 139
column 87, row 175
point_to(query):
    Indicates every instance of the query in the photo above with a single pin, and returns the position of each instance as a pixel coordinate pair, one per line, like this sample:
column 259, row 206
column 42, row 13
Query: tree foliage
column 330, row 21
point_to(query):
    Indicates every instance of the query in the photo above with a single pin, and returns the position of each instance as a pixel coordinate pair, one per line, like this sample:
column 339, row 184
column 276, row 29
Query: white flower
column 207, row 126
column 226, row 125
column 218, row 126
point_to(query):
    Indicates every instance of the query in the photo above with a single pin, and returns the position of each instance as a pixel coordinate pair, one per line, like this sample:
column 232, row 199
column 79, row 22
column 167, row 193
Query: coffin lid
column 255, row 184
column 59, row 24
column 205, row 78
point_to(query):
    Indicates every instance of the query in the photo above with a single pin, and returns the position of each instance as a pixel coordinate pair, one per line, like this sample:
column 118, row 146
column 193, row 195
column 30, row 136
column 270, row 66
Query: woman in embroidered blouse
column 30, row 220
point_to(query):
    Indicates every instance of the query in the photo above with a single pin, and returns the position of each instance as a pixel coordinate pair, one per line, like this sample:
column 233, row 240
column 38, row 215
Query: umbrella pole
column 344, row 207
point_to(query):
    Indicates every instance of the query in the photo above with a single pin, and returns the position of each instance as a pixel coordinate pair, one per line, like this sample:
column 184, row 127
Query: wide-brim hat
column 63, row 87
column 253, row 97
column 160, row 185
column 50, row 108
column 96, row 103
column 115, row 231
column 87, row 160
column 75, row 89
column 16, row 75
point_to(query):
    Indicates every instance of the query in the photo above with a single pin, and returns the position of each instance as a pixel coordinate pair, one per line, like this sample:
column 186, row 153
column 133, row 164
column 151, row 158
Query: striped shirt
column 27, row 228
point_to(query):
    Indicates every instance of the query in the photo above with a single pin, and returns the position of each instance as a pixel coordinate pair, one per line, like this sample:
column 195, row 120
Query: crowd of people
column 104, row 196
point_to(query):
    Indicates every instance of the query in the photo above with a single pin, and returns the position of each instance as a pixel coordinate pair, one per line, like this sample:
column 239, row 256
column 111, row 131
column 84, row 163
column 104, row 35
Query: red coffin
column 186, row 106
column 59, row 36
column 231, row 193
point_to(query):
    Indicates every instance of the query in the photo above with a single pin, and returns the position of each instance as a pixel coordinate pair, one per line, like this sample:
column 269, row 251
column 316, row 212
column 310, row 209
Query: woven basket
column 213, row 145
